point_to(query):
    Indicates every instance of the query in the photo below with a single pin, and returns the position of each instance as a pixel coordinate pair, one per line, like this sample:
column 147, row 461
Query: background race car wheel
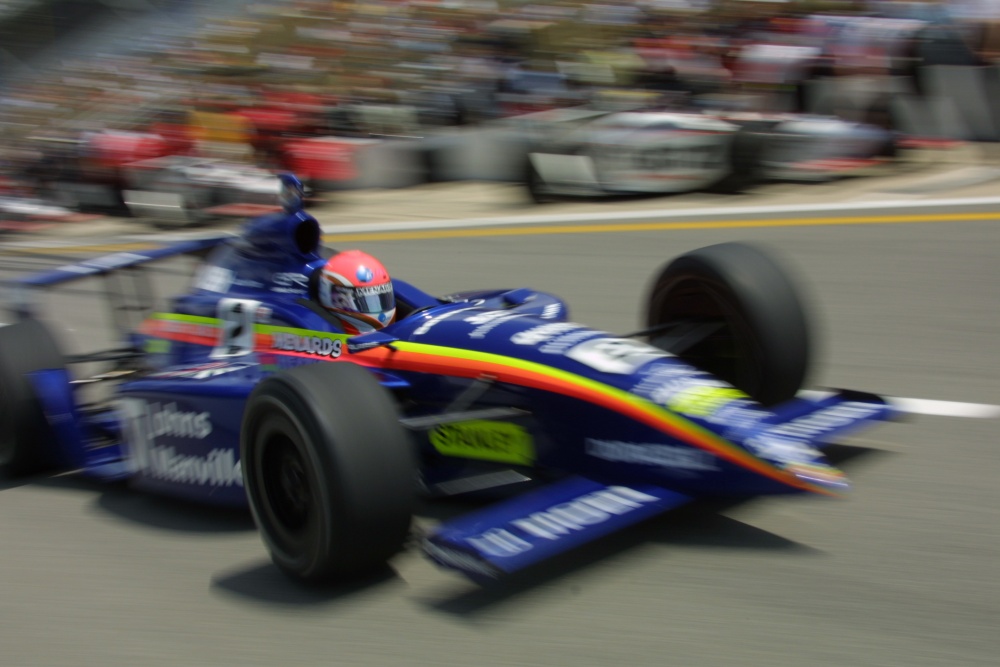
column 330, row 472
column 746, row 157
column 26, row 439
column 729, row 309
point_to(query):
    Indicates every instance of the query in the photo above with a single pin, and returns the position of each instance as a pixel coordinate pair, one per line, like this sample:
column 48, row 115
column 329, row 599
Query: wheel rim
column 285, row 490
column 729, row 350
column 286, row 484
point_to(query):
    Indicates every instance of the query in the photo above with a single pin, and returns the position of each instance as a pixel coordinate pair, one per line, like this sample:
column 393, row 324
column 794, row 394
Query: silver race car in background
column 185, row 190
column 804, row 148
column 667, row 152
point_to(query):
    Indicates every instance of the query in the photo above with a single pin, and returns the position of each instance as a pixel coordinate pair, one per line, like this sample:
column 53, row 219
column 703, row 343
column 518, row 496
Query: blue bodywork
column 495, row 385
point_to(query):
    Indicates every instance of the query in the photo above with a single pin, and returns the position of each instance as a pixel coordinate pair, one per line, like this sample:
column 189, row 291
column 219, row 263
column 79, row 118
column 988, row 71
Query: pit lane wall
column 484, row 153
column 948, row 102
column 957, row 103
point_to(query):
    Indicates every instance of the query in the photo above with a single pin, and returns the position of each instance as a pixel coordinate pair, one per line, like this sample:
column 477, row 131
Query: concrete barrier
column 956, row 102
column 390, row 163
column 959, row 103
column 490, row 153
column 971, row 89
column 480, row 153
column 929, row 117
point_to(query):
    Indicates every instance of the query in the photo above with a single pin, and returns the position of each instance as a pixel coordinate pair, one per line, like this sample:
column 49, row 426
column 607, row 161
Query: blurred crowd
column 240, row 83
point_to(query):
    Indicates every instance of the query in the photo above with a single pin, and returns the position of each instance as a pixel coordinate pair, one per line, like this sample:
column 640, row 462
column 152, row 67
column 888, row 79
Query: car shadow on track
column 701, row 525
column 264, row 583
column 119, row 501
column 172, row 514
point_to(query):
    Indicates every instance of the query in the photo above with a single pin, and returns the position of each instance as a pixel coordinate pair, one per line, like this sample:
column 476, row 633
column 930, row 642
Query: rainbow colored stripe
column 458, row 362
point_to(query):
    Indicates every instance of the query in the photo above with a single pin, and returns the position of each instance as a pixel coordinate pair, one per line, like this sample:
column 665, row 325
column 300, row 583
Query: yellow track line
column 538, row 230
column 658, row 226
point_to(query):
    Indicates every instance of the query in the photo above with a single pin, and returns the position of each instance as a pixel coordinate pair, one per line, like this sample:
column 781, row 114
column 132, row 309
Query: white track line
column 923, row 406
column 648, row 214
column 658, row 214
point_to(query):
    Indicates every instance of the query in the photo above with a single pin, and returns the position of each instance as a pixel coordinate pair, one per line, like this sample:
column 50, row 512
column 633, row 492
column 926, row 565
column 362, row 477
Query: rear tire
column 745, row 163
column 26, row 439
column 757, row 332
column 330, row 472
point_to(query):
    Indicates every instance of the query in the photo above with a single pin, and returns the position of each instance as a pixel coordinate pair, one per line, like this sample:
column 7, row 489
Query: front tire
column 731, row 310
column 330, row 472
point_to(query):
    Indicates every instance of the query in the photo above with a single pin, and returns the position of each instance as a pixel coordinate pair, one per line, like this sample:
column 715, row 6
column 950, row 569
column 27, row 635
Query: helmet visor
column 369, row 300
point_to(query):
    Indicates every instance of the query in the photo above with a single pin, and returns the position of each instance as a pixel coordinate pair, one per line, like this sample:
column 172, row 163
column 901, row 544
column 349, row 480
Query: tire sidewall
column 739, row 315
column 361, row 468
column 771, row 320
column 304, row 555
column 746, row 151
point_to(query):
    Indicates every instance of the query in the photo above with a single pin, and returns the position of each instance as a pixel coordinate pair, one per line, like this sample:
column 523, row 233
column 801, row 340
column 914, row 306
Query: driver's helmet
column 356, row 288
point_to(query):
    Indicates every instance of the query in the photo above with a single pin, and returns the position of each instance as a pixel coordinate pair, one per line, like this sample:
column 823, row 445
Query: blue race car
column 245, row 392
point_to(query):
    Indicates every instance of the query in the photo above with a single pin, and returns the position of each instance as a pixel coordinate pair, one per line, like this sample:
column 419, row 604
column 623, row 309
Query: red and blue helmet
column 357, row 289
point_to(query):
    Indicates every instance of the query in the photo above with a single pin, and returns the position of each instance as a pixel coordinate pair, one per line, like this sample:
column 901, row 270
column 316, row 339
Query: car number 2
column 236, row 327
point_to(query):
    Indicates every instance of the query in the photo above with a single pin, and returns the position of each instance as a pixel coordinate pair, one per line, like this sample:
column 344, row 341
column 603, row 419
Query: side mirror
column 370, row 340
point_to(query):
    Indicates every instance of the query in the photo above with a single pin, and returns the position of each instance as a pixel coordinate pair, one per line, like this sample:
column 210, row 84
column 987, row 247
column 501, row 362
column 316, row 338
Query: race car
column 189, row 190
column 668, row 152
column 246, row 393
column 811, row 148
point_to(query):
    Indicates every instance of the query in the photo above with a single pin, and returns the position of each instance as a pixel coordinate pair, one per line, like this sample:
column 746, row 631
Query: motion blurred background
column 903, row 573
column 89, row 88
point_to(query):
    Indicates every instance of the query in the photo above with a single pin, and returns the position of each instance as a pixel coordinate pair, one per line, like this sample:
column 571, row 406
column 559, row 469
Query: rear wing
column 127, row 287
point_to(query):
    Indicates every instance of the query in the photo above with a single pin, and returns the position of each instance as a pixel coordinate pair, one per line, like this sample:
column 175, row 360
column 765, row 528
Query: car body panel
column 638, row 152
column 657, row 152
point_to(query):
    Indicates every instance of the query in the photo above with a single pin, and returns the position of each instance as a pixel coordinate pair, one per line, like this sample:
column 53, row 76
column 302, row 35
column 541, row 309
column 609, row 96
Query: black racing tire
column 745, row 163
column 329, row 470
column 750, row 326
column 26, row 439
column 433, row 162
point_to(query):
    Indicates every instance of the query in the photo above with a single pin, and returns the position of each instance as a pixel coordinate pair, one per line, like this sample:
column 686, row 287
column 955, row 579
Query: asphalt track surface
column 904, row 571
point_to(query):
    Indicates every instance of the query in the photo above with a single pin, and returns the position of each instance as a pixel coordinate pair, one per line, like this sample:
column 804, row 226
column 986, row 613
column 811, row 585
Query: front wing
column 514, row 534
